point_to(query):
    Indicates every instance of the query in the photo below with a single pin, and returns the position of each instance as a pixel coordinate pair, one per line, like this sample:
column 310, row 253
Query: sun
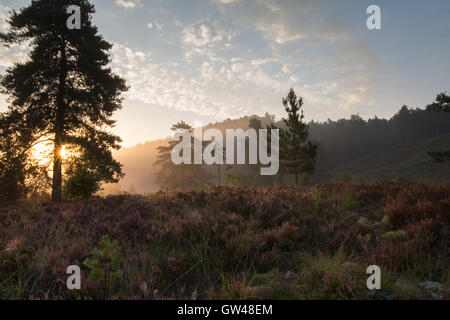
column 65, row 153
column 43, row 152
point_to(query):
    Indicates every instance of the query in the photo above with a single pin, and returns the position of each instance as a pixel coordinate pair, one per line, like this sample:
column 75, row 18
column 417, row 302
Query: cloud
column 221, row 89
column 15, row 52
column 4, row 15
column 317, row 51
column 155, row 25
column 204, row 40
column 128, row 3
column 242, row 58
column 286, row 21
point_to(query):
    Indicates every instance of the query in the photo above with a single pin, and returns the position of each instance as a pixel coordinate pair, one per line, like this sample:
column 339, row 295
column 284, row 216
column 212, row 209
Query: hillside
column 408, row 160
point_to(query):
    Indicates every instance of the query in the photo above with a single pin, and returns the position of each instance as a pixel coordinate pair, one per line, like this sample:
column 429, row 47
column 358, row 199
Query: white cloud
column 4, row 15
column 202, row 35
column 128, row 3
column 155, row 25
column 226, row 75
column 15, row 52
column 218, row 89
column 204, row 40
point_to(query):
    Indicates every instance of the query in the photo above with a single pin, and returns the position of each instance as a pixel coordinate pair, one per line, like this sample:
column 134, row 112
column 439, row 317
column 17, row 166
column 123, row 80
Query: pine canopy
column 65, row 91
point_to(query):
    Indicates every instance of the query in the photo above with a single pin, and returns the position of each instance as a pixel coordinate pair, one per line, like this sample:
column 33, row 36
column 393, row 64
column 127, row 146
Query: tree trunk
column 59, row 130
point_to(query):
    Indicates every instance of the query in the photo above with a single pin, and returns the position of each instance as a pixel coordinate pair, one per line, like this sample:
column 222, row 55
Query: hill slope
column 408, row 160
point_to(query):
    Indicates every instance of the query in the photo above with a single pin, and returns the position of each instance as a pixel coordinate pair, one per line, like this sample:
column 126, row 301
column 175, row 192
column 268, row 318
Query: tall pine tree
column 297, row 155
column 65, row 91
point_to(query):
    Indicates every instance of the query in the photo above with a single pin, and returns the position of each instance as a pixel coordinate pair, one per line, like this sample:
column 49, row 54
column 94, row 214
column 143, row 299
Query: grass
column 231, row 243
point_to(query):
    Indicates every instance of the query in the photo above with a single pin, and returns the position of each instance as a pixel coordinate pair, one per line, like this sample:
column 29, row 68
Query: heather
column 231, row 243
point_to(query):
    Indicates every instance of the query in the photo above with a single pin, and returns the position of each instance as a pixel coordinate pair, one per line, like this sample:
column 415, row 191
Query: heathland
column 244, row 243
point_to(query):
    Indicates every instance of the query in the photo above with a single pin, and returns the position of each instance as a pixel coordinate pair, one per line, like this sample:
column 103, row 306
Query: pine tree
column 297, row 155
column 442, row 104
column 183, row 176
column 65, row 91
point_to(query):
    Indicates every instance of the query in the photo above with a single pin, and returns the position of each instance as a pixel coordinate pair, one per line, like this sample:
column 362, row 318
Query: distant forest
column 398, row 145
column 347, row 139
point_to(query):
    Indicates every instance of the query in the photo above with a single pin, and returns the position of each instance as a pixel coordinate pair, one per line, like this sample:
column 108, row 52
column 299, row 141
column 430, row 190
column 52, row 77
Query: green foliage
column 76, row 95
column 396, row 235
column 105, row 264
column 385, row 221
column 297, row 155
column 365, row 222
column 82, row 183
column 332, row 277
column 315, row 195
column 348, row 202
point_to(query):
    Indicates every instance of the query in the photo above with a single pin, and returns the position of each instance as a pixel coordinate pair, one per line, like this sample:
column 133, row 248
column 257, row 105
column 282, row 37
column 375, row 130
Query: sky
column 203, row 61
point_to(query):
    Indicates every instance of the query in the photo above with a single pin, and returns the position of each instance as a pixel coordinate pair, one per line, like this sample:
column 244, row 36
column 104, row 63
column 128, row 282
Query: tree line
column 346, row 139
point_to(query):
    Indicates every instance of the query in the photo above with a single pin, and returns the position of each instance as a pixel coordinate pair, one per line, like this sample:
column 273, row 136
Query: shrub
column 105, row 264
column 332, row 277
column 81, row 183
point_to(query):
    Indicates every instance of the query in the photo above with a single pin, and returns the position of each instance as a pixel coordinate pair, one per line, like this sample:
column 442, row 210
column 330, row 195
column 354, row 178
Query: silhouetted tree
column 19, row 174
column 442, row 104
column 65, row 91
column 255, row 124
column 183, row 176
column 297, row 155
